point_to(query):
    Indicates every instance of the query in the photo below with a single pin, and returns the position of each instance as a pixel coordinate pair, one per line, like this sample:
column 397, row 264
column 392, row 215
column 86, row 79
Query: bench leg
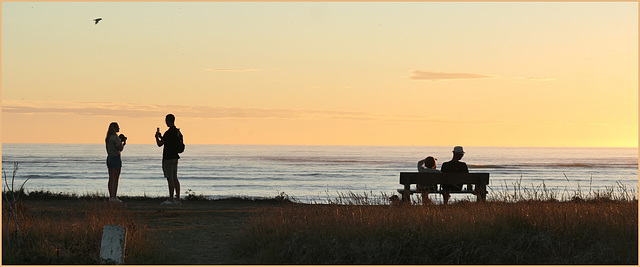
column 481, row 192
column 445, row 197
column 406, row 195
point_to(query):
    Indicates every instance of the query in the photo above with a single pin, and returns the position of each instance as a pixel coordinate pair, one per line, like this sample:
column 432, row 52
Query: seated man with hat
column 453, row 166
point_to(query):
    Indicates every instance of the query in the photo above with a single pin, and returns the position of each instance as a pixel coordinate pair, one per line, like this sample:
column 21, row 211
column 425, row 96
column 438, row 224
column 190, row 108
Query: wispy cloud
column 443, row 76
column 203, row 112
column 531, row 79
column 446, row 76
column 81, row 108
column 231, row 70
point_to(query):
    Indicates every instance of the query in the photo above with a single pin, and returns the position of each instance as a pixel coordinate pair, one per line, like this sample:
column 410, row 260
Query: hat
column 458, row 150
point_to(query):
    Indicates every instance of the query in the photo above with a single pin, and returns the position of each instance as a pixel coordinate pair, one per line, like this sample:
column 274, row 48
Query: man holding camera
column 172, row 141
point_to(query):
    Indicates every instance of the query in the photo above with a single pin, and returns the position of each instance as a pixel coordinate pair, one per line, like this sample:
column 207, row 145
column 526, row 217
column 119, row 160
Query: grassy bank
column 42, row 227
column 66, row 237
column 583, row 231
column 70, row 237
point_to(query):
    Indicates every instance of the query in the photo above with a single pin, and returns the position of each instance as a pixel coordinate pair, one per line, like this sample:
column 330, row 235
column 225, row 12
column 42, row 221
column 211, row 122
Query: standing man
column 453, row 166
column 173, row 144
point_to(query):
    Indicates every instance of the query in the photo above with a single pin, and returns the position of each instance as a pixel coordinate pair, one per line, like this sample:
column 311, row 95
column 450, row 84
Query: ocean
column 313, row 174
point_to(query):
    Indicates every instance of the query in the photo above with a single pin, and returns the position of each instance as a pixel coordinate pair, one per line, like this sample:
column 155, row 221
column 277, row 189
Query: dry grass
column 70, row 237
column 583, row 231
column 37, row 237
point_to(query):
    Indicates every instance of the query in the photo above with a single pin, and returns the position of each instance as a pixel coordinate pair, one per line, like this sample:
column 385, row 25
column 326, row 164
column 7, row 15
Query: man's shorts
column 114, row 162
column 170, row 168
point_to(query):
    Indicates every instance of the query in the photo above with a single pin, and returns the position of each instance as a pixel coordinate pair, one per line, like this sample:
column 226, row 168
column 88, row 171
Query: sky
column 323, row 73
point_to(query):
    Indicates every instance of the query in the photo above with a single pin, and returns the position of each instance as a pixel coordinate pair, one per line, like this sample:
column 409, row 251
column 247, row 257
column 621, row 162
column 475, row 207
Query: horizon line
column 485, row 146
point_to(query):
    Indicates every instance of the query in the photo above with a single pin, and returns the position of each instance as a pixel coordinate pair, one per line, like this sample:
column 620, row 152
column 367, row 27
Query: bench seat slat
column 414, row 191
column 480, row 180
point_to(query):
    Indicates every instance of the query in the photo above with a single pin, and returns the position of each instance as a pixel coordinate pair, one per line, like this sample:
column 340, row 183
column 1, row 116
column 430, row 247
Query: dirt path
column 196, row 232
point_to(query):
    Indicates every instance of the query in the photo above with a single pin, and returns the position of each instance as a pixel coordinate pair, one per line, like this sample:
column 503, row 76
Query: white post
column 113, row 243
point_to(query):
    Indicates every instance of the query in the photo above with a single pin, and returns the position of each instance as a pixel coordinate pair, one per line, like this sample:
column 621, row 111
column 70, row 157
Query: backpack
column 180, row 142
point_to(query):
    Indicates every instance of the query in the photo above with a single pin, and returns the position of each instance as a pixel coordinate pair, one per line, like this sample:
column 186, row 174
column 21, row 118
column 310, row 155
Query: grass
column 597, row 228
column 71, row 237
column 74, row 237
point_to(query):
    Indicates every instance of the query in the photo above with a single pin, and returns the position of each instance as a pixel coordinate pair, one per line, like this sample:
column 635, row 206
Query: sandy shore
column 196, row 232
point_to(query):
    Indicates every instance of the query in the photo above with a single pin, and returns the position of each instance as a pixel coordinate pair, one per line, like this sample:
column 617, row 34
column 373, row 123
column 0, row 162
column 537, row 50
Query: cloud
column 443, row 76
column 446, row 76
column 100, row 109
column 231, row 70
column 185, row 111
column 532, row 79
column 81, row 108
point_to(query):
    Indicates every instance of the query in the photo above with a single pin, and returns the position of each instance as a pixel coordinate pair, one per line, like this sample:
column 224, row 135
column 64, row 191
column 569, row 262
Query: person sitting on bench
column 453, row 166
column 427, row 165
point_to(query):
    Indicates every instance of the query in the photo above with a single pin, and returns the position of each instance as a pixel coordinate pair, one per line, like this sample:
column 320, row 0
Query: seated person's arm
column 420, row 167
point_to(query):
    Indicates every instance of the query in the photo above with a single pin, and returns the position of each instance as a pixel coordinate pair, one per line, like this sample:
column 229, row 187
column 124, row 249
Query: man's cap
column 458, row 150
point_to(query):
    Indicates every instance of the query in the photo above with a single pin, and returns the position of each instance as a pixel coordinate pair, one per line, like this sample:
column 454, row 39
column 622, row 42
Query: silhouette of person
column 427, row 165
column 453, row 166
column 170, row 140
column 115, row 144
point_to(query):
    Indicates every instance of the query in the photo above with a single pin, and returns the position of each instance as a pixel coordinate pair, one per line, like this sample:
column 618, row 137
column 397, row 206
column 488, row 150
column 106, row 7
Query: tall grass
column 72, row 237
column 518, row 229
column 519, row 192
column 66, row 237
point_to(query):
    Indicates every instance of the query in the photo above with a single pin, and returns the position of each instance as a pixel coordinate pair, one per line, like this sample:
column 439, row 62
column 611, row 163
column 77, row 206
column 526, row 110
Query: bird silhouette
column 97, row 20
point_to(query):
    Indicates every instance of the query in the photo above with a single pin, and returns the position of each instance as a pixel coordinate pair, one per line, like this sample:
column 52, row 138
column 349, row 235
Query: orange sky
column 475, row 74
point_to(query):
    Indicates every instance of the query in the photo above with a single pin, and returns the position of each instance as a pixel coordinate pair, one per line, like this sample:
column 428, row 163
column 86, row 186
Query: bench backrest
column 408, row 178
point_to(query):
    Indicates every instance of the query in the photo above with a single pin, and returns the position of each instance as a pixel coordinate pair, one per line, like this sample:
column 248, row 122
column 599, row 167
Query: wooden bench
column 434, row 179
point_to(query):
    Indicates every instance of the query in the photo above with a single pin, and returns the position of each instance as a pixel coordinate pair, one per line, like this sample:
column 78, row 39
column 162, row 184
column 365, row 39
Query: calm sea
column 313, row 173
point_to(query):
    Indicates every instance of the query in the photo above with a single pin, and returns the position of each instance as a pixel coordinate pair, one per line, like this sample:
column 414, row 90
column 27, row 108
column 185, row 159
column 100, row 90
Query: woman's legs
column 114, row 178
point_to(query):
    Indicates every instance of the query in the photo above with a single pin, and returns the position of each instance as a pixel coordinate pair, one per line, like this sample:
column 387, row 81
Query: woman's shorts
column 114, row 162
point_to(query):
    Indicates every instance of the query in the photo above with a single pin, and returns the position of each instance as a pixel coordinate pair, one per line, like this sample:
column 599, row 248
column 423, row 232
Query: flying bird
column 97, row 20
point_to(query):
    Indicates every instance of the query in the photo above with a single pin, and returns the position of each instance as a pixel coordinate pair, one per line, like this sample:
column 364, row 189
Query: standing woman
column 115, row 144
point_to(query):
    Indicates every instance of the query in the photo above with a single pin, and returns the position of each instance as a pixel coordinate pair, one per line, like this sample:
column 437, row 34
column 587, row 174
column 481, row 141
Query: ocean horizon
column 315, row 173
